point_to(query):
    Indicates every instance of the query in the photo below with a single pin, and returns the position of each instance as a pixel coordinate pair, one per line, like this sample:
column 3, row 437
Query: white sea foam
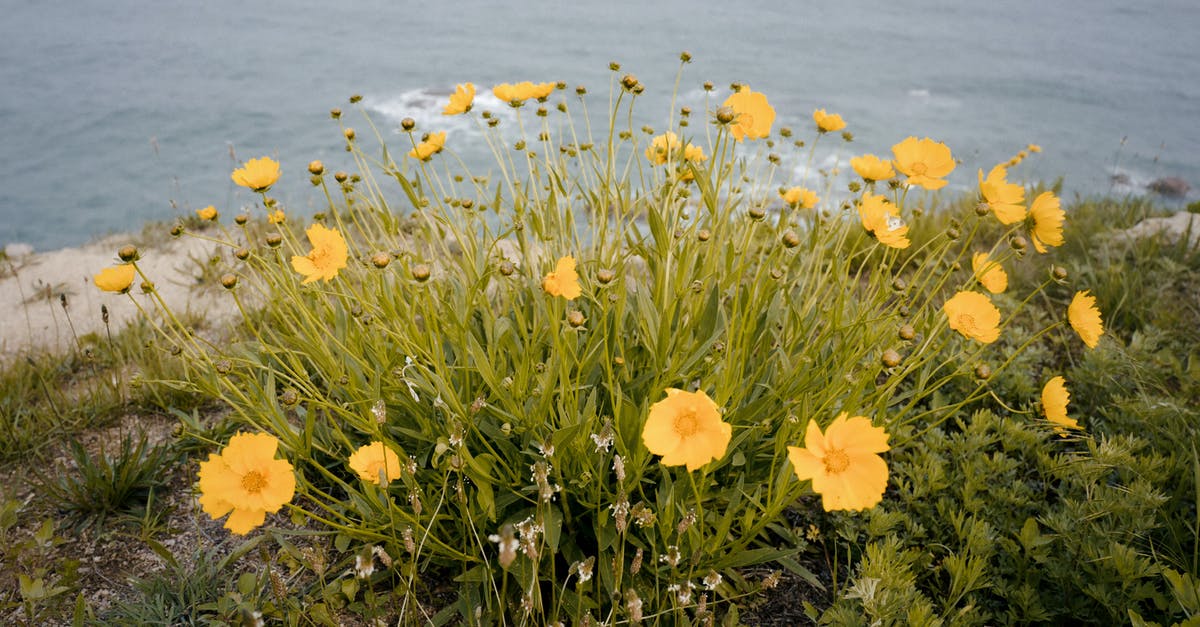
column 424, row 105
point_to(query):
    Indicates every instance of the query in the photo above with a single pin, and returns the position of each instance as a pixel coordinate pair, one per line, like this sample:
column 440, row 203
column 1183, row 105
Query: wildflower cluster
column 586, row 358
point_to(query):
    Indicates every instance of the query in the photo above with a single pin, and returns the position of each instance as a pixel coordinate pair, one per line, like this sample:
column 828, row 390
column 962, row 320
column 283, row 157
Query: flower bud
column 274, row 240
column 605, row 276
column 128, row 253
column 355, row 98
column 906, row 332
column 953, row 233
column 854, row 187
column 899, row 284
column 725, row 115
column 756, row 213
column 847, row 136
column 349, row 133
column 229, row 281
column 381, row 260
column 507, row 268
column 420, row 272
column 147, row 287
column 708, row 86
column 697, row 286
column 575, row 318
column 223, row 366
column 335, row 113
column 240, row 219
column 703, row 235
column 685, row 56
column 982, row 209
column 290, row 397
column 316, row 168
column 776, row 273
column 614, row 66
column 408, row 124
column 790, row 239
column 580, row 90
column 242, row 254
column 982, row 371
column 1018, row 243
column 903, row 310
column 890, row 358
column 1059, row 273
column 176, row 230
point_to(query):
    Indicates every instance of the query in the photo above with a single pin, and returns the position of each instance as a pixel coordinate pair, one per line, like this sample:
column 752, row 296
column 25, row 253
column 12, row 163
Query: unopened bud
column 580, row 90
column 176, row 230
column 289, row 398
column 340, row 177
column 953, row 233
column 685, row 56
column 335, row 113
column 982, row 372
column 147, row 287
column 355, row 98
column 408, row 124
column 790, row 239
column 708, row 86
column 316, row 168
column 420, row 272
column 1018, row 243
column 725, row 115
column 906, row 332
column 229, row 281
column 274, row 240
column 1059, row 273
column 507, row 268
column 703, row 235
column 757, row 212
column 899, row 284
column 240, row 219
column 575, row 318
column 242, row 254
column 890, row 358
column 349, row 133
column 128, row 253
column 614, row 66
column 605, row 276
column 381, row 260
column 982, row 209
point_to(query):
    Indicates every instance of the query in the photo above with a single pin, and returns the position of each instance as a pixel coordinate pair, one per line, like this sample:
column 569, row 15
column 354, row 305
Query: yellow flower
column 872, row 168
column 1055, row 398
column 276, row 217
column 432, row 145
column 925, row 162
column 1048, row 217
column 541, row 91
column 973, row 315
column 207, row 213
column 247, row 480
column 800, row 197
column 828, row 122
column 882, row 219
column 693, row 153
column 563, row 281
column 663, row 147
column 754, row 114
column 686, row 428
column 991, row 275
column 843, row 463
column 516, row 95
column 375, row 460
column 327, row 256
column 116, row 279
column 1033, row 148
column 1085, row 318
column 258, row 174
column 460, row 100
column 1006, row 199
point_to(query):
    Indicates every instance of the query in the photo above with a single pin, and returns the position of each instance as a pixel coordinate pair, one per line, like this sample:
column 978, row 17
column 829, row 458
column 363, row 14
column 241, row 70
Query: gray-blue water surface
column 113, row 113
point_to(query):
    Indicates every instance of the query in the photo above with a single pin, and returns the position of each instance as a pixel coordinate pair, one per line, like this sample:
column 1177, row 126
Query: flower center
column 745, row 120
column 836, row 460
column 966, row 321
column 376, row 468
column 918, row 168
column 253, row 482
column 686, row 423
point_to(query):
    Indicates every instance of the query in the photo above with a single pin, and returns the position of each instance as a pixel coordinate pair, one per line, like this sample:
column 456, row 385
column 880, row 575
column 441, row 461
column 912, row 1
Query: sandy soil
column 32, row 317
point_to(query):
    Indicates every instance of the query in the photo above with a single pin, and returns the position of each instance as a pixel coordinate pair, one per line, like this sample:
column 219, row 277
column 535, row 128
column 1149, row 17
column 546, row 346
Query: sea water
column 118, row 112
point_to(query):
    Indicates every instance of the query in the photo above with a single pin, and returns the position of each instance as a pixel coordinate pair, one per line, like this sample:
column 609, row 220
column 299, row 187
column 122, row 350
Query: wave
column 424, row 105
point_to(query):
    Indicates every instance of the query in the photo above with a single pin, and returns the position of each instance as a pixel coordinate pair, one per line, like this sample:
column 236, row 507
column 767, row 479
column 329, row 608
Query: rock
column 1170, row 186
column 18, row 250
column 1172, row 228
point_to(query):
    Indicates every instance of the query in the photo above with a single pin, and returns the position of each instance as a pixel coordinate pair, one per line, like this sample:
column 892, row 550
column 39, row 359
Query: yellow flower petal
column 115, row 279
column 1085, row 318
